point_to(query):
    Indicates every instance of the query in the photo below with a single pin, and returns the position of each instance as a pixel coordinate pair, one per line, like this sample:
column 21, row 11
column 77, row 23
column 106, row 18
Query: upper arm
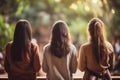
column 36, row 59
column 44, row 61
column 6, row 63
column 73, row 63
column 111, row 57
column 82, row 60
column 112, row 61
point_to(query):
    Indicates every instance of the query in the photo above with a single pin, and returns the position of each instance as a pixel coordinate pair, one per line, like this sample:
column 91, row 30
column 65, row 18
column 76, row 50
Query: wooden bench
column 75, row 78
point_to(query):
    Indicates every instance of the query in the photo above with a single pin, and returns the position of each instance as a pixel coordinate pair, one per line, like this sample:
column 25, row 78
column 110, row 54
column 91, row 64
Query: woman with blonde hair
column 96, row 56
column 22, row 56
column 59, row 56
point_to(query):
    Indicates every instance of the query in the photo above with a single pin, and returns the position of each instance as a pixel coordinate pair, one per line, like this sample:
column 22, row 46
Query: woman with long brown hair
column 59, row 56
column 22, row 56
column 96, row 56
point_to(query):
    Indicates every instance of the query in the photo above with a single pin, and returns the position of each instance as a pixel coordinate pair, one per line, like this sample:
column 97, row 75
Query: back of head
column 21, row 40
column 95, row 28
column 97, row 39
column 60, row 39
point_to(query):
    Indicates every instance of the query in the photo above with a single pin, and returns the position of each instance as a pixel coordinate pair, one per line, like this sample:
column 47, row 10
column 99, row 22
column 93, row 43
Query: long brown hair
column 21, row 40
column 97, row 39
column 60, row 39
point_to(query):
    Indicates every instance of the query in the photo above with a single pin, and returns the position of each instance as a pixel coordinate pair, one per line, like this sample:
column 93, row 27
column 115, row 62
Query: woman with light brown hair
column 96, row 57
column 22, row 56
column 59, row 56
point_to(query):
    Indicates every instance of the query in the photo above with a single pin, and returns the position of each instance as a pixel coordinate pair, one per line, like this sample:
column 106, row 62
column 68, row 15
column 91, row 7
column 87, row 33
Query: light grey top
column 59, row 68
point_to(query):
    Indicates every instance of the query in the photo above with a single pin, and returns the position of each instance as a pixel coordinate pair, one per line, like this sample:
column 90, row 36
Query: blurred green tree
column 116, row 18
column 8, row 9
column 77, row 13
column 6, row 33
